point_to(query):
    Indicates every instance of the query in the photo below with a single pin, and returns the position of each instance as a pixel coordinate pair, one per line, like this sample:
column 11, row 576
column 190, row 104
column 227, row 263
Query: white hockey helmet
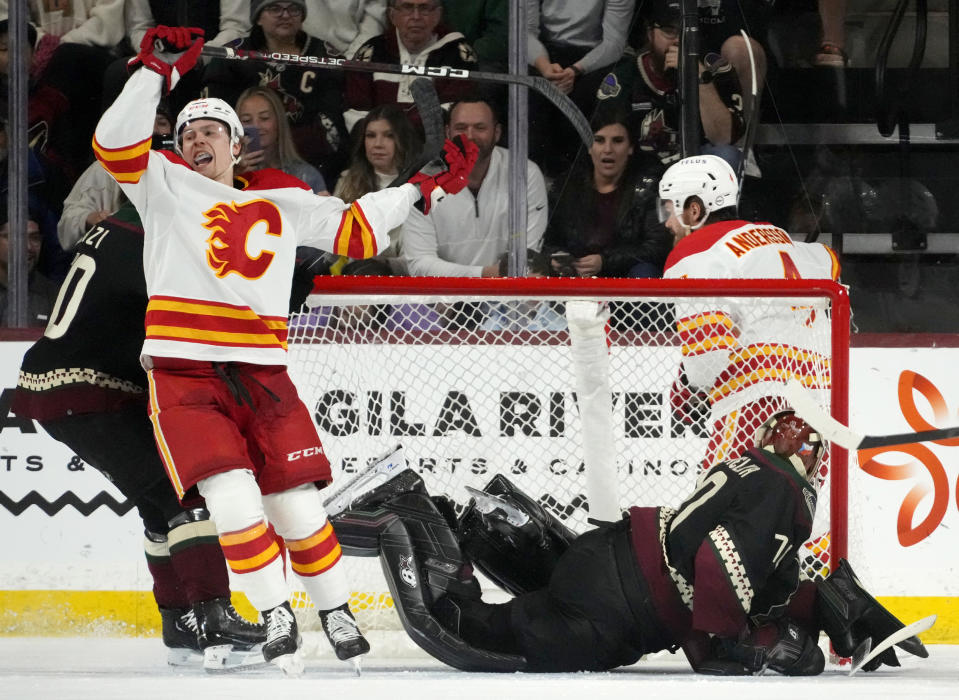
column 710, row 178
column 209, row 108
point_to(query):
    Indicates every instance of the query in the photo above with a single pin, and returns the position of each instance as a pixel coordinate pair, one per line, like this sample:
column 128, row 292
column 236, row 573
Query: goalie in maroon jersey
column 717, row 577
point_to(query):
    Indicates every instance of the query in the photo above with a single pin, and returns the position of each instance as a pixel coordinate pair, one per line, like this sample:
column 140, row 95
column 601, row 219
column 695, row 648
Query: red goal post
column 482, row 376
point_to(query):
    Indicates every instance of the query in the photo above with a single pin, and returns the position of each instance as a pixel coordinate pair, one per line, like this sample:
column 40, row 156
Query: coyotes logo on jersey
column 231, row 226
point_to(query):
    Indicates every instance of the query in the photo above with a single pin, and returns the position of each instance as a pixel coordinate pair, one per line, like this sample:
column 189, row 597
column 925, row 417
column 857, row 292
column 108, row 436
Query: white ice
column 90, row 668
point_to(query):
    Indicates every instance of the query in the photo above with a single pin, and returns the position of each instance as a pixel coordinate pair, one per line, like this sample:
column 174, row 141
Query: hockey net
column 477, row 377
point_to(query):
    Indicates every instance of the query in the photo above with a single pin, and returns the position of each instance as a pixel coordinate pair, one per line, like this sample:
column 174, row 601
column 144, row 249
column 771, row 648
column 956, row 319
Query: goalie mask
column 710, row 178
column 793, row 439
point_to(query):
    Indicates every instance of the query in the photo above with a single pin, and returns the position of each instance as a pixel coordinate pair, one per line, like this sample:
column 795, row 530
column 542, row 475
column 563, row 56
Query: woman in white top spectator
column 268, row 140
column 384, row 141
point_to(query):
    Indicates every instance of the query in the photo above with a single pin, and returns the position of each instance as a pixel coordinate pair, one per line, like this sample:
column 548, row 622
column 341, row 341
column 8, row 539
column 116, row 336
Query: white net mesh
column 473, row 385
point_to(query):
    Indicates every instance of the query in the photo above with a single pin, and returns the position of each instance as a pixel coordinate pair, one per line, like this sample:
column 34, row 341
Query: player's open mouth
column 202, row 159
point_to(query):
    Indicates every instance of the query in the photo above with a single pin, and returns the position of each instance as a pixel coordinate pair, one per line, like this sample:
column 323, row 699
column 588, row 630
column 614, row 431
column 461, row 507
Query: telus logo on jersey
column 231, row 226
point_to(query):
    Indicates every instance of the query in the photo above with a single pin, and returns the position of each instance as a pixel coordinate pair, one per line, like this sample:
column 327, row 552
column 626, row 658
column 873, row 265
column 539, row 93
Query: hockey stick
column 750, row 134
column 431, row 114
column 834, row 431
column 390, row 463
column 541, row 85
column 919, row 626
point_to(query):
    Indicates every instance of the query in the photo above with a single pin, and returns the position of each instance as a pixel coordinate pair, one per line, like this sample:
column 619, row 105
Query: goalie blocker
column 425, row 552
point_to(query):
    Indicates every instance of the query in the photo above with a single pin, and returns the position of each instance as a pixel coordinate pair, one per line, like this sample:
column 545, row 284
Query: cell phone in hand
column 565, row 262
column 253, row 138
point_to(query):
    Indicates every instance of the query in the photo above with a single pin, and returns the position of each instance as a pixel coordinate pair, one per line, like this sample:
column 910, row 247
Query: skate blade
column 183, row 657
column 290, row 664
column 357, row 665
column 225, row 659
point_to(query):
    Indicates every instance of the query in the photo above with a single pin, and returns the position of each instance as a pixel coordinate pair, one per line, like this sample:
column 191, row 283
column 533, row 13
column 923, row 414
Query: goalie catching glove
column 169, row 51
column 849, row 615
column 459, row 155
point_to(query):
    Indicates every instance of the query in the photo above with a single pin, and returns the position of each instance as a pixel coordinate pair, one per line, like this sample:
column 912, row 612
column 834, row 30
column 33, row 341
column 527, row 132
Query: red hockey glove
column 169, row 51
column 459, row 155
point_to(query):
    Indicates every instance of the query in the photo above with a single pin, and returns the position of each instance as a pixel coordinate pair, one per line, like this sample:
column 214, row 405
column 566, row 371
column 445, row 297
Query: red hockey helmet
column 792, row 438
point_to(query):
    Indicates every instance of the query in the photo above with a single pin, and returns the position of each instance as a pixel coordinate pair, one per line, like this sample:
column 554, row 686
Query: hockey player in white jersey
column 736, row 355
column 219, row 250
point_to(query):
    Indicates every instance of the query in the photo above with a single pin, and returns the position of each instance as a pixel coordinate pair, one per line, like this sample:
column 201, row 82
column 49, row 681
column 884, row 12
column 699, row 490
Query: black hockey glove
column 781, row 646
column 849, row 615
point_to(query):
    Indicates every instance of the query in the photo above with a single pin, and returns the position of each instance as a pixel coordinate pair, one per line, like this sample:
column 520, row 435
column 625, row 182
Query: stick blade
column 809, row 410
column 907, row 635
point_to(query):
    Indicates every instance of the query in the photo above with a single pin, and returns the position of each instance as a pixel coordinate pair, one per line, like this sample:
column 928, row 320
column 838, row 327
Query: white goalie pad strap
column 587, row 316
column 590, row 357
column 297, row 513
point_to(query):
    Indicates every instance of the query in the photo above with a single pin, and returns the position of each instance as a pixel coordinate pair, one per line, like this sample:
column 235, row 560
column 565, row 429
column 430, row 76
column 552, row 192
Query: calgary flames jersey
column 218, row 260
column 741, row 349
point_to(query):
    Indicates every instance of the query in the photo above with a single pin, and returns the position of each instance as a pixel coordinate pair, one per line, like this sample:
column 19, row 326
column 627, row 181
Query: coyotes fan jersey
column 739, row 352
column 86, row 361
column 218, row 260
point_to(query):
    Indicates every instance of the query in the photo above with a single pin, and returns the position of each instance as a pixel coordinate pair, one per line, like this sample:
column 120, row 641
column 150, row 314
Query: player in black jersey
column 82, row 381
column 717, row 577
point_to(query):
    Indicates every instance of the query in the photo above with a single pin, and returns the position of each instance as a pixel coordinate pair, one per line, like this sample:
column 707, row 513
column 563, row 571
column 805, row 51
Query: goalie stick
column 806, row 407
column 864, row 654
column 387, row 464
column 545, row 88
column 431, row 115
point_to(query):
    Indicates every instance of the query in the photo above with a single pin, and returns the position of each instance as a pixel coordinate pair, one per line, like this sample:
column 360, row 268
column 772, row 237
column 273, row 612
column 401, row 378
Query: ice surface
column 72, row 668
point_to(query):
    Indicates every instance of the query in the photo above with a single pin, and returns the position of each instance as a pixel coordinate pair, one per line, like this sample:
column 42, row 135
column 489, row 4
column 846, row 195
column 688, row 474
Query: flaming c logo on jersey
column 936, row 480
column 230, row 226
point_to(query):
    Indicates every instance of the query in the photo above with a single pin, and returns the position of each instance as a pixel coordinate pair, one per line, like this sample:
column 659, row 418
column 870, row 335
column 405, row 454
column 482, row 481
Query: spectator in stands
column 47, row 183
column 467, row 236
column 41, row 291
column 222, row 22
column 268, row 143
column 573, row 45
column 415, row 35
column 645, row 83
column 312, row 97
column 485, row 25
column 384, row 143
column 96, row 195
column 832, row 50
column 345, row 25
column 71, row 45
column 603, row 222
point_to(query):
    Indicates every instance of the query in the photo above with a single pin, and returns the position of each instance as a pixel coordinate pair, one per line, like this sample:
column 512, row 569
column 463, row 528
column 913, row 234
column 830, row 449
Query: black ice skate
column 282, row 639
column 345, row 637
column 180, row 636
column 228, row 640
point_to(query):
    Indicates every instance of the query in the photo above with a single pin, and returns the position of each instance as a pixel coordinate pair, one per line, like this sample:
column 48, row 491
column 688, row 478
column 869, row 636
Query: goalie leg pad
column 518, row 557
column 422, row 564
column 849, row 614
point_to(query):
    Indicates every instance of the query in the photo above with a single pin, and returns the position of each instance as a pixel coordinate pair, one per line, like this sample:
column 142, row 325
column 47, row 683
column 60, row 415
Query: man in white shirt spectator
column 345, row 25
column 467, row 236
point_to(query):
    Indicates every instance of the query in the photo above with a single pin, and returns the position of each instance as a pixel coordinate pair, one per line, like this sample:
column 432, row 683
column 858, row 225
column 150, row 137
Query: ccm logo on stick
column 308, row 452
column 436, row 71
